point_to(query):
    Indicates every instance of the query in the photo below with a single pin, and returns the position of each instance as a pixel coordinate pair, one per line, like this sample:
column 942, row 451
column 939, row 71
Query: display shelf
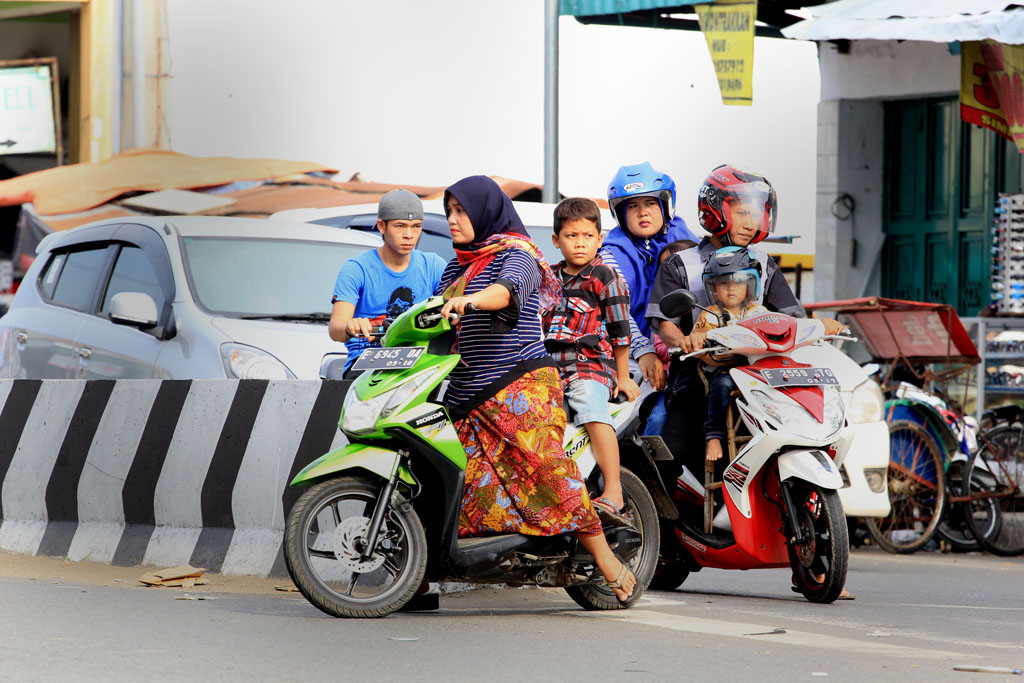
column 981, row 330
column 1000, row 389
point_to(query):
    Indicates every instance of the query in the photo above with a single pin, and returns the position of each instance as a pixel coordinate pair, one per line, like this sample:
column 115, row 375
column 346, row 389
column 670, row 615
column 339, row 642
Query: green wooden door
column 942, row 178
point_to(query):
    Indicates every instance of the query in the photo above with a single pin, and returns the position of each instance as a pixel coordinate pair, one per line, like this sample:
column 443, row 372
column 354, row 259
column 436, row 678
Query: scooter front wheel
column 820, row 562
column 323, row 549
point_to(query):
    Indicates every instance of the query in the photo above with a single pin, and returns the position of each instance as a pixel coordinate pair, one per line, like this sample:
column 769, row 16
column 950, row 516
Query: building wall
column 854, row 87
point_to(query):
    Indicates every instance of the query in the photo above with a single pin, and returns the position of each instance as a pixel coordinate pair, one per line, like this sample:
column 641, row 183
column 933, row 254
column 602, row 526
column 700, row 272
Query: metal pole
column 138, row 74
column 550, row 192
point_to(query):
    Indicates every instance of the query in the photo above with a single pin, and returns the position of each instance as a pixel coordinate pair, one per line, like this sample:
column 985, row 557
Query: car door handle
column 84, row 352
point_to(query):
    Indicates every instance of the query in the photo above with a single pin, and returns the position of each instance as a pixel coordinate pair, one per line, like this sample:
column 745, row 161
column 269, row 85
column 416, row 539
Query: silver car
column 179, row 297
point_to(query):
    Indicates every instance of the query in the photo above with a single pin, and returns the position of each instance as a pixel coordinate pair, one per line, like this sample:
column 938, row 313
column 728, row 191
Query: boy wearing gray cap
column 386, row 281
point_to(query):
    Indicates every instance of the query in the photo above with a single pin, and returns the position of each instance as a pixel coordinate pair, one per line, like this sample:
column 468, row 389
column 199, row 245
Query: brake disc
column 346, row 545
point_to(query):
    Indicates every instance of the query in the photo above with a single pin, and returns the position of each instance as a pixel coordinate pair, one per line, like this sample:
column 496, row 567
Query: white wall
column 851, row 155
column 888, row 69
column 425, row 93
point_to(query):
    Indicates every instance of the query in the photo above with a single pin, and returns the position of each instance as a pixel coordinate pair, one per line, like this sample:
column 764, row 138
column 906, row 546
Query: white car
column 537, row 218
column 190, row 297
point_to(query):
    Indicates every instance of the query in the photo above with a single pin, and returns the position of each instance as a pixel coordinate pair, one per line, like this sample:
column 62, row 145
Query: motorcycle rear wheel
column 598, row 596
column 321, row 550
column 825, row 554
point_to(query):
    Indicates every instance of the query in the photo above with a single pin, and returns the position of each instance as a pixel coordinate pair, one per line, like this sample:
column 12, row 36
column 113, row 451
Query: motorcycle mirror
column 678, row 303
column 871, row 368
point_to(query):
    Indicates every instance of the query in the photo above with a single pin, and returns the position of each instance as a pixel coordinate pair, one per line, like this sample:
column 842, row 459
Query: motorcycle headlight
column 361, row 416
column 832, row 419
column 248, row 362
column 867, row 403
column 797, row 417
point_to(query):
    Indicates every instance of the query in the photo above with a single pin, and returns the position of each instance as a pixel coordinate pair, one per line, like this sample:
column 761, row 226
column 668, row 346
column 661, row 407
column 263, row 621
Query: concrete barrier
column 150, row 472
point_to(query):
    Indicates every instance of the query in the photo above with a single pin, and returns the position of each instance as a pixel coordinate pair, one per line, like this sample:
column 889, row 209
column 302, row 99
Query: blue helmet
column 641, row 180
column 733, row 264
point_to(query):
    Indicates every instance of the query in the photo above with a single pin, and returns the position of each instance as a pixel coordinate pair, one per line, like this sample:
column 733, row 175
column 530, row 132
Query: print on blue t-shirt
column 377, row 290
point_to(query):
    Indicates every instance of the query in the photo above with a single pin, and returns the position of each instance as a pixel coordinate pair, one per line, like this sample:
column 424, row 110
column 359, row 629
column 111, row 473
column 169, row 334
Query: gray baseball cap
column 400, row 205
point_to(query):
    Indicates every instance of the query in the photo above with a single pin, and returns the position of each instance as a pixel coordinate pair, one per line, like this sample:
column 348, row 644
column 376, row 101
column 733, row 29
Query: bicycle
column 994, row 508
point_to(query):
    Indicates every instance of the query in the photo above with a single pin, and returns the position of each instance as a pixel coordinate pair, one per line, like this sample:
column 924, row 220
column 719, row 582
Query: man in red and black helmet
column 736, row 208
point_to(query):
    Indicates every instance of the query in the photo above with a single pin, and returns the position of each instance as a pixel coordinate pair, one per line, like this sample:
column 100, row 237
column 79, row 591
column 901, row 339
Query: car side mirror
column 678, row 303
column 136, row 309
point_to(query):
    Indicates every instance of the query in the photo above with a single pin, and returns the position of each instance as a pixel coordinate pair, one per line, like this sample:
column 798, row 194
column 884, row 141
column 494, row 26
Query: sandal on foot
column 624, row 573
column 610, row 513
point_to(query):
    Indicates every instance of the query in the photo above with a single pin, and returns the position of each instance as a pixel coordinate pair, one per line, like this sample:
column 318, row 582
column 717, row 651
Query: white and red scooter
column 781, row 502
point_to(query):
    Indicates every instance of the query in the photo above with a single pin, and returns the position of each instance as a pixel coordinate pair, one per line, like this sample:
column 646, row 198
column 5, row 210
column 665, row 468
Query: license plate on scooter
column 799, row 377
column 388, row 359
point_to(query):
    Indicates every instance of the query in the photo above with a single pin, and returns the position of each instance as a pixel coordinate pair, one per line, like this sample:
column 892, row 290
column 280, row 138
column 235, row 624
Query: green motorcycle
column 381, row 515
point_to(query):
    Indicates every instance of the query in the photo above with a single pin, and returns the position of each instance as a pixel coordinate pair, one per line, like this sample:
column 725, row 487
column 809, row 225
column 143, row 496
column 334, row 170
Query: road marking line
column 761, row 633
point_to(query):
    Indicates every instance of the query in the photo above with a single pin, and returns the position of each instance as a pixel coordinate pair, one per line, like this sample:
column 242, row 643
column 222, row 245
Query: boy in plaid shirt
column 588, row 336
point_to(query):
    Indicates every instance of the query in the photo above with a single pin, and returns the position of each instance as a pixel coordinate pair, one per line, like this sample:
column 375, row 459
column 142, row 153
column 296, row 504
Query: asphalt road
column 914, row 619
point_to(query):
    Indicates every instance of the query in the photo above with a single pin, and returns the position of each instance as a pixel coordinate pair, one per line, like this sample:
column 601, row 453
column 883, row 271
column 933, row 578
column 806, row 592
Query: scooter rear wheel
column 597, row 596
column 819, row 563
column 322, row 550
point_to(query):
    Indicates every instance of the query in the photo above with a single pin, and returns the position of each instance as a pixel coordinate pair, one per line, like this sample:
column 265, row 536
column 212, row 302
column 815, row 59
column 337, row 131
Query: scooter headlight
column 867, row 403
column 361, row 416
column 798, row 418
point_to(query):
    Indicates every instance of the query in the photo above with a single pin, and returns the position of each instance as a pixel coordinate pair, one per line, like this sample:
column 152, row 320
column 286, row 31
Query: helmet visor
column 735, row 286
column 753, row 209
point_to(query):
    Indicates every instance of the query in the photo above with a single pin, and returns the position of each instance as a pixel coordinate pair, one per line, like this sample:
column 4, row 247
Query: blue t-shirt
column 376, row 290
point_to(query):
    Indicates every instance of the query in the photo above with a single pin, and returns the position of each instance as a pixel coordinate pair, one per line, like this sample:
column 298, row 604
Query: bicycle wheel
column 995, row 476
column 917, row 490
column 953, row 527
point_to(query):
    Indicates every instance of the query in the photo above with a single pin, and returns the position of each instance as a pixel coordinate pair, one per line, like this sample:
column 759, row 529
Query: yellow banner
column 991, row 92
column 728, row 27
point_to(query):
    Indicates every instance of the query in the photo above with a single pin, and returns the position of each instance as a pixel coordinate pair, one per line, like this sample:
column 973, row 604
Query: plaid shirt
column 592, row 317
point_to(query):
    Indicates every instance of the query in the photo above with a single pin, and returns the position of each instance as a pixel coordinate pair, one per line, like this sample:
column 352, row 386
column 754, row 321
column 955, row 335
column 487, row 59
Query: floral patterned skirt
column 518, row 478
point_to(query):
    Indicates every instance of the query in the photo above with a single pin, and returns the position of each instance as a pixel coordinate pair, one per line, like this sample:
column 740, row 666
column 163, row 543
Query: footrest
column 656, row 446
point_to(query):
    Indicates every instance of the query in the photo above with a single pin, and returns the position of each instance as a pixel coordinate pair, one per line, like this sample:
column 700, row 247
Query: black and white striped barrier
column 161, row 473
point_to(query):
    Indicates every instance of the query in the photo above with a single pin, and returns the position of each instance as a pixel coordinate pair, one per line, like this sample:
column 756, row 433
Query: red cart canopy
column 916, row 331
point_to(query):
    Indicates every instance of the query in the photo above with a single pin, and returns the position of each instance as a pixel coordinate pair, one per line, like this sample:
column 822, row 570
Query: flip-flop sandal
column 610, row 513
column 624, row 573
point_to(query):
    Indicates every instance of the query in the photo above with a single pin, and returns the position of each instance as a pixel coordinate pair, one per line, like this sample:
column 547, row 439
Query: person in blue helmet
column 643, row 201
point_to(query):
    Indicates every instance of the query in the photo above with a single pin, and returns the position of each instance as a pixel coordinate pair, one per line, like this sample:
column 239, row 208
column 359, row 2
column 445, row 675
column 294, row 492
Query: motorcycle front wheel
column 820, row 562
column 323, row 550
column 598, row 596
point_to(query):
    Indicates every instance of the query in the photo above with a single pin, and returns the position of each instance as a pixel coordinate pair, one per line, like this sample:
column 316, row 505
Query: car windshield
column 241, row 276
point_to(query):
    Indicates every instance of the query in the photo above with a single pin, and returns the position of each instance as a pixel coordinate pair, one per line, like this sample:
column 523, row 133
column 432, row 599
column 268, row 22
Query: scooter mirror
column 678, row 303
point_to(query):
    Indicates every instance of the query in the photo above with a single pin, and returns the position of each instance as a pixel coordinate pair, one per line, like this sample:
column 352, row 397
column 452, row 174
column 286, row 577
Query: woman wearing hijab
column 505, row 395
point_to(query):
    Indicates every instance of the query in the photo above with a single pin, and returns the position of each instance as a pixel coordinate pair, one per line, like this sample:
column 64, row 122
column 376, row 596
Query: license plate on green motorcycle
column 798, row 377
column 388, row 359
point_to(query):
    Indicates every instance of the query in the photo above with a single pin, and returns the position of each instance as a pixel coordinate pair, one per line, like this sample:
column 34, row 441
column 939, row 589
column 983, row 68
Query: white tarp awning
column 940, row 21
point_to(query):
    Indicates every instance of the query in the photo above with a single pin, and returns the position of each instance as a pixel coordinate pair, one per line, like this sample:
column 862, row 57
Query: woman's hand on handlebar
column 460, row 305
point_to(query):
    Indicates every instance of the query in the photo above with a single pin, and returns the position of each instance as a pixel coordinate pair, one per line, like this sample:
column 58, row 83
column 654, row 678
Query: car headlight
column 361, row 416
column 248, row 362
column 867, row 403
